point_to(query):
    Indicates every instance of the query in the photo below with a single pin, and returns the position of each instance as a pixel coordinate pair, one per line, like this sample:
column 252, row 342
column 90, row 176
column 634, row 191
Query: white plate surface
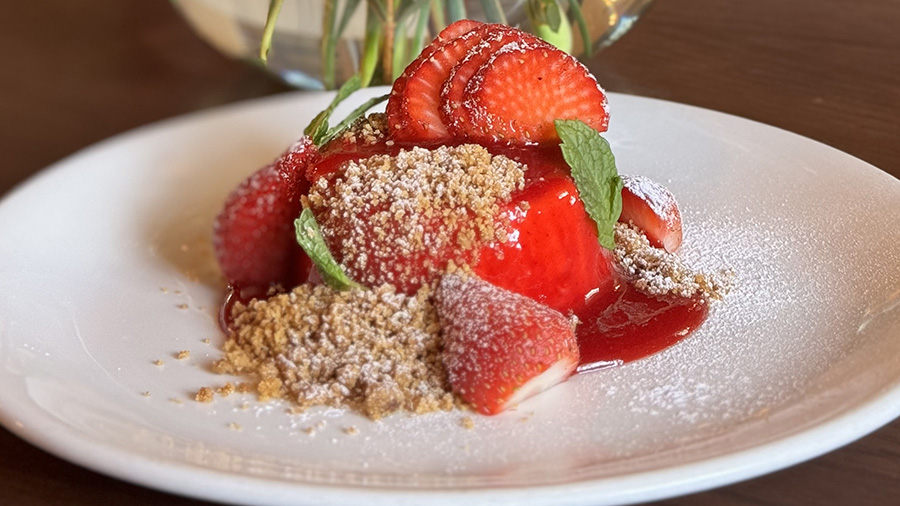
column 106, row 267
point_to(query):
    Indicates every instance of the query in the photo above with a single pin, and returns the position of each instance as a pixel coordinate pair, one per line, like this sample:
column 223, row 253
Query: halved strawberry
column 551, row 252
column 520, row 91
column 552, row 255
column 651, row 207
column 253, row 234
column 452, row 94
column 412, row 107
column 501, row 348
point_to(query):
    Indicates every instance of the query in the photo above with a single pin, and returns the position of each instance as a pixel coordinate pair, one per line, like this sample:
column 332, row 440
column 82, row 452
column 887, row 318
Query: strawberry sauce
column 618, row 323
column 628, row 325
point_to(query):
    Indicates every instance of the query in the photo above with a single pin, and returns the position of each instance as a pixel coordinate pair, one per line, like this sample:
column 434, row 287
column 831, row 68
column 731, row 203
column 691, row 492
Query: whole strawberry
column 253, row 234
column 501, row 348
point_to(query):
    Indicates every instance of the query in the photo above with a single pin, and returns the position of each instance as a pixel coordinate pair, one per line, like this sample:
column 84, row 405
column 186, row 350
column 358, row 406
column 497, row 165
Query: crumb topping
column 205, row 394
column 367, row 130
column 377, row 351
column 657, row 272
column 656, row 196
column 415, row 204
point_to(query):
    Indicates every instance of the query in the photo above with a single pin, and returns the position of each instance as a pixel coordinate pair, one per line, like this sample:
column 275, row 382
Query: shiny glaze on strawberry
column 552, row 256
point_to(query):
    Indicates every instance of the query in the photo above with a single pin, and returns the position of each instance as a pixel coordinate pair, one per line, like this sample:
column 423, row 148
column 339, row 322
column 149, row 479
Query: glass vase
column 318, row 44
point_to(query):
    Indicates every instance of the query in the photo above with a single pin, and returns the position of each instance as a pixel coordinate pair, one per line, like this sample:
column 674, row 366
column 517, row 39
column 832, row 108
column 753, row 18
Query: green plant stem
column 421, row 30
column 456, row 10
column 575, row 7
column 371, row 44
column 269, row 30
column 493, row 12
column 376, row 7
column 437, row 15
column 404, row 47
column 329, row 43
column 400, row 46
column 349, row 9
column 387, row 58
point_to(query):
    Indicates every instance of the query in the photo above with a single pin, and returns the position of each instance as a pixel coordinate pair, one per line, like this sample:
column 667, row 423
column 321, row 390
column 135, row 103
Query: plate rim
column 50, row 434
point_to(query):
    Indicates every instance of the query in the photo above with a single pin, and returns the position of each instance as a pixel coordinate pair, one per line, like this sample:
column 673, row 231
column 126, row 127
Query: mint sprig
column 594, row 170
column 318, row 129
column 309, row 236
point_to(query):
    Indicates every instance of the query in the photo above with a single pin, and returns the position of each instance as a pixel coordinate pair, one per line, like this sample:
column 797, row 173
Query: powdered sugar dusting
column 481, row 324
column 374, row 350
column 425, row 206
column 657, row 272
column 660, row 200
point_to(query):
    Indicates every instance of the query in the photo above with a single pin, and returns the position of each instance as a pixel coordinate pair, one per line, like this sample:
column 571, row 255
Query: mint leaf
column 359, row 111
column 594, row 170
column 318, row 128
column 309, row 236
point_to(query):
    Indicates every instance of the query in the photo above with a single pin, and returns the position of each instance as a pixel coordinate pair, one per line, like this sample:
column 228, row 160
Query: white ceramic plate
column 106, row 267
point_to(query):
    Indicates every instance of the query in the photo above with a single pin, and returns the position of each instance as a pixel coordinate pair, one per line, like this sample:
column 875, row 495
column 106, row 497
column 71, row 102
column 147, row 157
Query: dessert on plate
column 472, row 246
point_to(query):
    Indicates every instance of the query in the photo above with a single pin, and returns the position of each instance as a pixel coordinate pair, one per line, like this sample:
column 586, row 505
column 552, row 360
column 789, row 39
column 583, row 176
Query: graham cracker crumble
column 367, row 130
column 226, row 389
column 376, row 351
column 418, row 203
column 205, row 394
column 657, row 272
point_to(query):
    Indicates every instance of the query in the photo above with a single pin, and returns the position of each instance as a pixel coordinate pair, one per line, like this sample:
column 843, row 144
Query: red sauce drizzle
column 620, row 327
column 616, row 327
column 627, row 325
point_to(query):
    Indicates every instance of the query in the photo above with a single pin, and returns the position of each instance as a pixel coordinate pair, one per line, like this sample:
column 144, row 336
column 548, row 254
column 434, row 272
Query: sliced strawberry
column 651, row 207
column 552, row 255
column 412, row 107
column 521, row 90
column 452, row 113
column 253, row 233
column 501, row 348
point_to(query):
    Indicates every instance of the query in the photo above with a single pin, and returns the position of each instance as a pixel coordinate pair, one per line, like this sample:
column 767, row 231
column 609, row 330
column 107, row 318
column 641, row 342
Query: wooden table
column 77, row 72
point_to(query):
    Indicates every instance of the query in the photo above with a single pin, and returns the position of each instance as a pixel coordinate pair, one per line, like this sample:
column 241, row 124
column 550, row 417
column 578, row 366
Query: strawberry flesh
column 652, row 208
column 518, row 93
column 552, row 255
column 453, row 91
column 500, row 347
column 412, row 107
